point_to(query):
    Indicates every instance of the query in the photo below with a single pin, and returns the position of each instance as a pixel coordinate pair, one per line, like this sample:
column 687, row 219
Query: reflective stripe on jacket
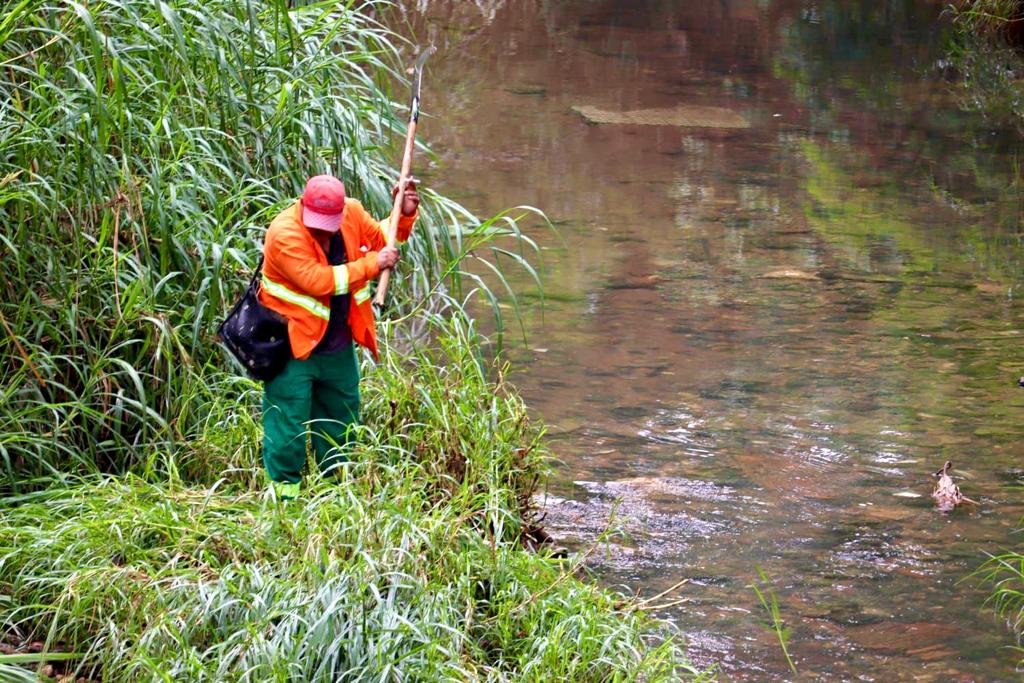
column 298, row 282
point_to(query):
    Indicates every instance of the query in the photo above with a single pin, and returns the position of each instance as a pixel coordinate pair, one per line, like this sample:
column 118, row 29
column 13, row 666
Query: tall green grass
column 144, row 146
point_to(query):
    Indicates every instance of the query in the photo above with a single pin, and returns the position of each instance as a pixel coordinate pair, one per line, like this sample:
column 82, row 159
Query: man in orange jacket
column 319, row 257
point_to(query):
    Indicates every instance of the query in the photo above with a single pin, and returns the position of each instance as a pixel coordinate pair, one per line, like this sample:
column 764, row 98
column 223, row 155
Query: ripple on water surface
column 875, row 553
column 678, row 427
column 654, row 520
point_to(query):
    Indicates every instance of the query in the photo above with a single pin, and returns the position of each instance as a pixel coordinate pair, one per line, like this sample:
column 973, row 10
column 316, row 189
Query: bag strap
column 256, row 273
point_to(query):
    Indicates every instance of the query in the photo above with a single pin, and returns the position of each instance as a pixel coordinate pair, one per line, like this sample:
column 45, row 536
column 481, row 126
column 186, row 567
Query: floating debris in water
column 907, row 494
column 947, row 494
column 683, row 115
column 790, row 274
column 527, row 89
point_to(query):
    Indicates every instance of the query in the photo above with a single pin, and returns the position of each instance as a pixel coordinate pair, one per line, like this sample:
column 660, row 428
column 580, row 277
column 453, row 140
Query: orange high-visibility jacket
column 298, row 282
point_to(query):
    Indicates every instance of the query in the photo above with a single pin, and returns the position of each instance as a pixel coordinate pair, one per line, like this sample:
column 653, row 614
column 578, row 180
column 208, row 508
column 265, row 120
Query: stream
column 782, row 286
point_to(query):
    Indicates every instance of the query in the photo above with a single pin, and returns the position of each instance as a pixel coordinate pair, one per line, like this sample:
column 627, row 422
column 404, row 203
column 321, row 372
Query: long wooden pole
column 403, row 177
column 396, row 210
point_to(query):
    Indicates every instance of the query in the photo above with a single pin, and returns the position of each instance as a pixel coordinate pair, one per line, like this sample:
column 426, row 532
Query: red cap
column 323, row 201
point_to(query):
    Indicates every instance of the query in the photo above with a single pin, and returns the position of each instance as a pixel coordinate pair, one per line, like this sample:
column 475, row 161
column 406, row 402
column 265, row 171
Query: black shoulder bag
column 255, row 335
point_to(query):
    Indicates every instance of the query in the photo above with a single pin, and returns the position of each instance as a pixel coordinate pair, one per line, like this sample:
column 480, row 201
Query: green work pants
column 318, row 396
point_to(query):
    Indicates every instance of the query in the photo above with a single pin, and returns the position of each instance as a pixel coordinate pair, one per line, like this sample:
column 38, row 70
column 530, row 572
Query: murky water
column 759, row 329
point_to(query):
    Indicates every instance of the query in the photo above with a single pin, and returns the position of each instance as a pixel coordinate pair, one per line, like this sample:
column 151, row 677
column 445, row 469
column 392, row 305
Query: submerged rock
column 656, row 520
column 884, row 513
column 901, row 637
column 844, row 613
column 681, row 115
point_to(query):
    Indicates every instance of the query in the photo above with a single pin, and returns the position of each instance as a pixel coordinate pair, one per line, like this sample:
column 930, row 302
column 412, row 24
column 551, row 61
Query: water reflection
column 758, row 342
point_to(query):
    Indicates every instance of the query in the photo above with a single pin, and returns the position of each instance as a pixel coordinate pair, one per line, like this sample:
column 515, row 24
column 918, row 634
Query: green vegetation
column 1005, row 574
column 143, row 147
column 986, row 50
column 770, row 602
column 406, row 567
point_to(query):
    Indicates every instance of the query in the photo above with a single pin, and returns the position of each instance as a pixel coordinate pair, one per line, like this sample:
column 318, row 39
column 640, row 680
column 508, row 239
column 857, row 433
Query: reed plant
column 770, row 603
column 144, row 146
column 1003, row 573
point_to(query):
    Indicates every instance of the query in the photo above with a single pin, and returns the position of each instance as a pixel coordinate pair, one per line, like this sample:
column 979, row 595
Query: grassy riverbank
column 143, row 147
column 409, row 567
